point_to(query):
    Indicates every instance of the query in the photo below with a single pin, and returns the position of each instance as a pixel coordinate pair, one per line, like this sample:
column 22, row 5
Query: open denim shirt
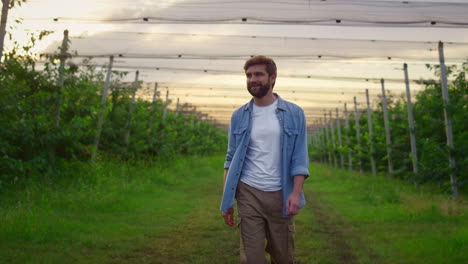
column 293, row 140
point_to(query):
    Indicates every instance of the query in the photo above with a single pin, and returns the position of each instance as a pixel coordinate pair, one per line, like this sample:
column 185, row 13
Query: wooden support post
column 330, row 160
column 132, row 107
column 151, row 114
column 371, row 135
column 166, row 103
column 340, row 142
column 3, row 23
column 348, row 141
column 314, row 141
column 311, row 138
column 358, row 135
column 58, row 105
column 319, row 135
column 323, row 155
column 414, row 152
column 153, row 106
column 61, row 70
column 315, row 137
column 322, row 141
column 388, row 135
column 155, row 95
column 332, row 135
column 103, row 108
column 448, row 121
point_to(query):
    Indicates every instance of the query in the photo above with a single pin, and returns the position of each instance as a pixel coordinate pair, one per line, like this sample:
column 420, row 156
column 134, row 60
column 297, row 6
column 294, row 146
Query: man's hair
column 270, row 65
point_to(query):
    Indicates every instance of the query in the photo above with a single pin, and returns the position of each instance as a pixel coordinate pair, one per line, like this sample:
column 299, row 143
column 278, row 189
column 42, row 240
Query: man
column 265, row 168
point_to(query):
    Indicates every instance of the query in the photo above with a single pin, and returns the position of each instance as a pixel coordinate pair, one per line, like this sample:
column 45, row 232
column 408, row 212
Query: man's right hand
column 229, row 217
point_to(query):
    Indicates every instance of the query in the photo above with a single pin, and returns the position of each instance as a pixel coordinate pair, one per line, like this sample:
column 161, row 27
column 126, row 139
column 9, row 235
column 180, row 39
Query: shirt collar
column 281, row 103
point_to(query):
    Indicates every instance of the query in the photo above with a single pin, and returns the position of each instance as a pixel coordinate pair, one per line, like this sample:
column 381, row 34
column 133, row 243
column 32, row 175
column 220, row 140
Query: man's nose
column 253, row 79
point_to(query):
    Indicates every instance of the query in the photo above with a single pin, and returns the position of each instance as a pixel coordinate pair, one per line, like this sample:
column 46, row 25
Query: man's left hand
column 293, row 204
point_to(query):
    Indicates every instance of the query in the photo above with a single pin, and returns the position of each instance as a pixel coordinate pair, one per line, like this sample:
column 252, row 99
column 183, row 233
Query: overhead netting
column 327, row 52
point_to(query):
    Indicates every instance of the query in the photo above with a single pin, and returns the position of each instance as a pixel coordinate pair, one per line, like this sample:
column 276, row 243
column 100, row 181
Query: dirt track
column 342, row 241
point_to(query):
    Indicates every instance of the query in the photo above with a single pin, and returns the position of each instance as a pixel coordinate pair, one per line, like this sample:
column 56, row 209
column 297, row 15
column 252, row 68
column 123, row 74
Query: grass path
column 364, row 219
column 132, row 214
column 199, row 236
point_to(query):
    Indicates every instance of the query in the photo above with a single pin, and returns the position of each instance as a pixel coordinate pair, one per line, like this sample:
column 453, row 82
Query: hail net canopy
column 327, row 52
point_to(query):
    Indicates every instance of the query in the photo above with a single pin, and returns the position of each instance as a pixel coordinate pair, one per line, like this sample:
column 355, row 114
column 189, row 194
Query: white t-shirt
column 262, row 165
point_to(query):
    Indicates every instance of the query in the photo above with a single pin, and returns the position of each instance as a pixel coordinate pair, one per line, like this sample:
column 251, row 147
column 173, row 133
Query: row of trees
column 429, row 131
column 51, row 115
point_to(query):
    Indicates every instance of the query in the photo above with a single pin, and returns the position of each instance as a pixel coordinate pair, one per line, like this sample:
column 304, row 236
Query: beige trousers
column 260, row 219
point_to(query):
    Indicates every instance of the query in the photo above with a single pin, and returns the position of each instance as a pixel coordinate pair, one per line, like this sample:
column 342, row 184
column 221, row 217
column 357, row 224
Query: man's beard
column 259, row 92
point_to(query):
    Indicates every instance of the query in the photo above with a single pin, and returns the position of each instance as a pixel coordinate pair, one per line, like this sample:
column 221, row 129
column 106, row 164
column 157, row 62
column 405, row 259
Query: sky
column 196, row 49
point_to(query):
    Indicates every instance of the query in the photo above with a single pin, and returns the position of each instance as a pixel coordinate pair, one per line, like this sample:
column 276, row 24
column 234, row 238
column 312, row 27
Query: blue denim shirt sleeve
column 231, row 146
column 300, row 158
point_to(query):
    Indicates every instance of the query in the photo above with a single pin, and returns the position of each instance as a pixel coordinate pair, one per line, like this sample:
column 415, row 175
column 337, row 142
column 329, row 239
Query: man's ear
column 273, row 78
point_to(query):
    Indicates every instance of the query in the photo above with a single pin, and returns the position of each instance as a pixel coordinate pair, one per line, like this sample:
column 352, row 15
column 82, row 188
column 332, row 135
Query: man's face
column 258, row 80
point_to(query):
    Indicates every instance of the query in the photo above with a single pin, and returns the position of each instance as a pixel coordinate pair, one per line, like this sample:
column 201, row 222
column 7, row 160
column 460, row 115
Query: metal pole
column 132, row 107
column 414, row 153
column 448, row 121
column 348, row 141
column 340, row 142
column 388, row 135
column 103, row 107
column 371, row 134
column 335, row 160
column 3, row 23
column 177, row 106
column 358, row 135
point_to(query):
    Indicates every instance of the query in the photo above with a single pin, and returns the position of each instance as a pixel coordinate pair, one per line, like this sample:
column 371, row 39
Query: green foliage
column 34, row 136
column 429, row 129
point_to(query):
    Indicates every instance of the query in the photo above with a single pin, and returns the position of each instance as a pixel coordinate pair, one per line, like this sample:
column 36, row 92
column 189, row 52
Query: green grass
column 388, row 221
column 110, row 212
column 113, row 212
